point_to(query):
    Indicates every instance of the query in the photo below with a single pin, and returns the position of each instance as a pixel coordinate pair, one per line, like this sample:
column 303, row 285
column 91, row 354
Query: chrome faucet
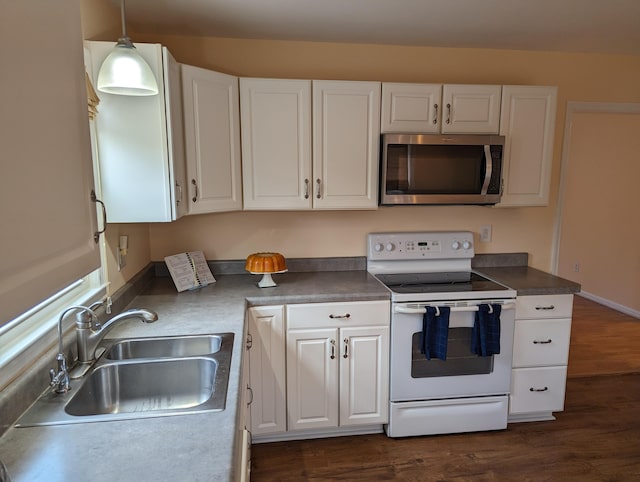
column 89, row 332
column 60, row 379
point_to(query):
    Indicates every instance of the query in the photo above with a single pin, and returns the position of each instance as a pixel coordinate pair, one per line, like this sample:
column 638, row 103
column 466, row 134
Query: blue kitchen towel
column 485, row 335
column 435, row 332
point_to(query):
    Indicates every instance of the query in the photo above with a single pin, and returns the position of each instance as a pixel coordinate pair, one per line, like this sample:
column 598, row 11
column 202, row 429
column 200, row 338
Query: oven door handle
column 420, row 310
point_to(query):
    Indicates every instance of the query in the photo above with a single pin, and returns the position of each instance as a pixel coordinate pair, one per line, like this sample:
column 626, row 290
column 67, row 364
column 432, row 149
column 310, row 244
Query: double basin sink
column 142, row 378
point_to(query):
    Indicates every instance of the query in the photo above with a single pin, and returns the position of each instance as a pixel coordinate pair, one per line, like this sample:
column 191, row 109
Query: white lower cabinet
column 337, row 364
column 267, row 370
column 540, row 356
column 318, row 368
column 243, row 467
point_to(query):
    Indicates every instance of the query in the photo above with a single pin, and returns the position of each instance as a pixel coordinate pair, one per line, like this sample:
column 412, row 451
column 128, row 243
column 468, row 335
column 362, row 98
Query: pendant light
column 124, row 71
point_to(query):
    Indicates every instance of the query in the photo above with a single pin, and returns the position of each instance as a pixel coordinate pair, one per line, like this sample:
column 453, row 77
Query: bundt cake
column 265, row 263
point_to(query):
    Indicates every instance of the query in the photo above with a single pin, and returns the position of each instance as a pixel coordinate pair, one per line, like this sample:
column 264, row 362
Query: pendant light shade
column 124, row 71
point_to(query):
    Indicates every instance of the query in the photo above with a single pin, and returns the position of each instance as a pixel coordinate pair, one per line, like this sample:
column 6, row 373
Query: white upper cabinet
column 309, row 145
column 471, row 109
column 276, row 143
column 346, row 144
column 437, row 108
column 140, row 143
column 212, row 135
column 528, row 124
column 411, row 107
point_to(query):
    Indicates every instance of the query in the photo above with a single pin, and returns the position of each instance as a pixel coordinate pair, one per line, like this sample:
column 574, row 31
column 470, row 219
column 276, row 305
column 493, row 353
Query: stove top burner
column 438, row 282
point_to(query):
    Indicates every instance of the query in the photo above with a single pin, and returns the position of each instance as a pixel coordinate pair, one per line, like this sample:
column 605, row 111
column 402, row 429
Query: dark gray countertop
column 529, row 281
column 194, row 447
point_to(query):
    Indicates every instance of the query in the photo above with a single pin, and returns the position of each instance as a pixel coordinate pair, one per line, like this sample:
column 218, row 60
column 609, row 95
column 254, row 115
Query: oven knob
column 455, row 245
column 466, row 244
column 390, row 247
column 378, row 247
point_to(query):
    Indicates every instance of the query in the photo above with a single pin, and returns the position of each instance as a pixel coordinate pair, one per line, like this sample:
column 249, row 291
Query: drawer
column 541, row 342
column 537, row 390
column 544, row 306
column 356, row 313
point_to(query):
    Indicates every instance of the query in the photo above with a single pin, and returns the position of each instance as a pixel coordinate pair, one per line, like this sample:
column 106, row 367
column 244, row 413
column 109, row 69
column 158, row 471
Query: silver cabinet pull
column 333, row 349
column 435, row 114
column 338, row 317
column 251, row 397
column 346, row 348
column 195, row 187
column 549, row 307
column 538, row 389
column 542, row 342
column 96, row 235
column 448, row 113
column 306, row 188
column 249, row 342
column 319, row 185
column 179, row 193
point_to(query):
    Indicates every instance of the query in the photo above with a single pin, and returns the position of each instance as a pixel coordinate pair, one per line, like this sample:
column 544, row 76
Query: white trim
column 579, row 108
column 610, row 304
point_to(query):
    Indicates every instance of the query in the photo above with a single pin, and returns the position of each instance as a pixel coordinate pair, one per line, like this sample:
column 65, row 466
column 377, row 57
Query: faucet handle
column 87, row 318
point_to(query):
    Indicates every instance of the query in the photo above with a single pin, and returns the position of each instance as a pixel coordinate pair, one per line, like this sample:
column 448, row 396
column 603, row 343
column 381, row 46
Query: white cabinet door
column 364, row 375
column 528, row 124
column 312, row 378
column 276, row 143
column 346, row 144
column 411, row 107
column 141, row 156
column 267, row 369
column 471, row 109
column 212, row 132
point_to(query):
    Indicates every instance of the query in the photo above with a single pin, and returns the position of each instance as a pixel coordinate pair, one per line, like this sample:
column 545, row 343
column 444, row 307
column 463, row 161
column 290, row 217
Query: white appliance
column 464, row 392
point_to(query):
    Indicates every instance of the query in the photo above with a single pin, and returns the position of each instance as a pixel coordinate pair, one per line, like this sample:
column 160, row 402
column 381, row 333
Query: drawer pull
column 538, row 389
column 542, row 342
column 338, row 317
column 550, row 307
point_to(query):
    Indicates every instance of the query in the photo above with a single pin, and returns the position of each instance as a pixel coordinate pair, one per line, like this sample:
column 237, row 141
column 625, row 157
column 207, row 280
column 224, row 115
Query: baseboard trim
column 313, row 434
column 610, row 304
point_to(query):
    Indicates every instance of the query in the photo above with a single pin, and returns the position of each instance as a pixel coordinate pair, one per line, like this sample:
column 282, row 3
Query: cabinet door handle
column 251, row 395
column 435, row 114
column 319, row 186
column 538, row 389
column 333, row 349
column 179, row 193
column 96, row 235
column 195, row 187
column 346, row 348
column 542, row 342
column 306, row 188
column 249, row 343
column 548, row 307
column 448, row 113
column 346, row 316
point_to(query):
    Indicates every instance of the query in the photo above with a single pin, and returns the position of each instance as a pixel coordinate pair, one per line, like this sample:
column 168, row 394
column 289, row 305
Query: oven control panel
column 421, row 245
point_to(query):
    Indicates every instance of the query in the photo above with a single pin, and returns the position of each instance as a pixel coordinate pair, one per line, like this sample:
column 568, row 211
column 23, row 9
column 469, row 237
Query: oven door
column 462, row 374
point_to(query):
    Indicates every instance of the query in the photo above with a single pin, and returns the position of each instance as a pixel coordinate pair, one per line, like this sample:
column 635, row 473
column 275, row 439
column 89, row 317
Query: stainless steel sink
column 153, row 377
column 176, row 346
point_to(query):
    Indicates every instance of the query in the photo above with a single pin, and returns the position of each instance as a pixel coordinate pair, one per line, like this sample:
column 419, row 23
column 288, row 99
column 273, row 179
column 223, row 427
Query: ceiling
column 605, row 26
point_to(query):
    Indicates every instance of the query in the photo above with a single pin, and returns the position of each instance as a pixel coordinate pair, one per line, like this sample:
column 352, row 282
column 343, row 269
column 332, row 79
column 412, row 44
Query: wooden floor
column 596, row 438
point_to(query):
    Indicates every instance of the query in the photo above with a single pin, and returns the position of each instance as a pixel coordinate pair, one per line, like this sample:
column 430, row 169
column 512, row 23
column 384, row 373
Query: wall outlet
column 485, row 233
column 576, row 267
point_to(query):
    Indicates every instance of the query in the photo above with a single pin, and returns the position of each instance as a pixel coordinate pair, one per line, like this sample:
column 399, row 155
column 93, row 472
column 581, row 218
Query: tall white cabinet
column 141, row 143
column 212, row 134
column 528, row 124
column 309, row 144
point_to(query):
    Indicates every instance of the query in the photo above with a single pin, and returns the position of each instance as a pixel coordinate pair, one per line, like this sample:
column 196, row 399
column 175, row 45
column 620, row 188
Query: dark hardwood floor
column 596, row 437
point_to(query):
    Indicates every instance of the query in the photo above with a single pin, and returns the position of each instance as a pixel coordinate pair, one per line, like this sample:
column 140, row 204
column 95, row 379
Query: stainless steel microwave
column 440, row 169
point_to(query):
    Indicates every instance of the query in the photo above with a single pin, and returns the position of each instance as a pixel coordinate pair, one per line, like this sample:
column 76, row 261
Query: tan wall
column 599, row 240
column 583, row 77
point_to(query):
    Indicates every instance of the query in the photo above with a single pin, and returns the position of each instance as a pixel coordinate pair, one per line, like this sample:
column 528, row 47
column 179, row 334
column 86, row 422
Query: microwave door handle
column 488, row 169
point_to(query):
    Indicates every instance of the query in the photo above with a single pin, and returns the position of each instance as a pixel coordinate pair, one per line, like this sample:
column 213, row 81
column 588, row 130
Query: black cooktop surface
column 438, row 282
